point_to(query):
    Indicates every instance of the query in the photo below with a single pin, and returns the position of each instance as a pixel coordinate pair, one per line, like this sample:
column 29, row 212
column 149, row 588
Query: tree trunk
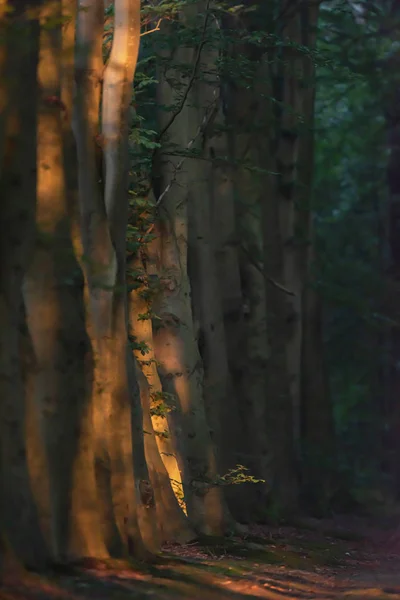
column 316, row 407
column 248, row 121
column 174, row 524
column 284, row 311
column 129, row 511
column 203, row 108
column 176, row 350
column 283, row 250
column 160, row 453
column 18, row 515
column 223, row 228
column 54, row 305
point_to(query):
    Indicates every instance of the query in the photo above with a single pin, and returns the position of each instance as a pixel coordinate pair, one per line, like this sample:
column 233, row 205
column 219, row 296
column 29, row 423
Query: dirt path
column 308, row 562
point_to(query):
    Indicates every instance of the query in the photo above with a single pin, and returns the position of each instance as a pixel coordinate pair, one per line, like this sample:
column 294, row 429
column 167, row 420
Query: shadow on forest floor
column 316, row 559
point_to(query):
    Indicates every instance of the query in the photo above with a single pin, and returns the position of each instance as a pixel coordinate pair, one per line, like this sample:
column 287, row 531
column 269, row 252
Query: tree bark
column 204, row 100
column 160, row 452
column 283, row 249
column 318, row 437
column 143, row 333
column 176, row 350
column 18, row 515
column 55, row 314
column 129, row 512
column 173, row 522
column 248, row 122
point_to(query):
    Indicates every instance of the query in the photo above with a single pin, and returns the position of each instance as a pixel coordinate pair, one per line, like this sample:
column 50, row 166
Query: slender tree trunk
column 117, row 97
column 225, row 239
column 286, row 309
column 173, row 522
column 143, row 333
column 254, row 342
column 248, row 121
column 203, row 107
column 226, row 248
column 283, row 251
column 317, row 410
column 159, row 449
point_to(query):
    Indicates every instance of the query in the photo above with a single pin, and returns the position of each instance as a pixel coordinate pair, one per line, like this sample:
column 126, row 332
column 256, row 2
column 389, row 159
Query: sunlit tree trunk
column 142, row 330
column 159, row 448
column 18, row 91
column 55, row 315
column 173, row 522
column 120, row 461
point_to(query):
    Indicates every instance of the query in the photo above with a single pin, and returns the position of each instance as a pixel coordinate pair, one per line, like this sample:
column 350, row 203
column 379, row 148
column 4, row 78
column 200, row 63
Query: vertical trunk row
column 272, row 145
column 236, row 332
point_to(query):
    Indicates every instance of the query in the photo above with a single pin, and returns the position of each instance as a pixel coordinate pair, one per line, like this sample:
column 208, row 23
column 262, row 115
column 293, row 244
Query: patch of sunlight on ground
column 285, row 565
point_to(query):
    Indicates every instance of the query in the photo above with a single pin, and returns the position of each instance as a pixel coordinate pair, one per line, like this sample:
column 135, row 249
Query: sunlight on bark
column 143, row 331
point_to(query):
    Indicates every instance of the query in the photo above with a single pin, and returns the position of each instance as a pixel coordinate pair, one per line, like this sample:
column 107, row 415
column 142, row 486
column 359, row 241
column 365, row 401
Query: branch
column 259, row 268
column 156, row 28
column 192, row 77
column 202, row 127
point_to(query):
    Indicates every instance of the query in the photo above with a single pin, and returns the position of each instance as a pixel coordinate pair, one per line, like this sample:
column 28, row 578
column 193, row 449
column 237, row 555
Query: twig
column 202, row 127
column 259, row 268
column 156, row 28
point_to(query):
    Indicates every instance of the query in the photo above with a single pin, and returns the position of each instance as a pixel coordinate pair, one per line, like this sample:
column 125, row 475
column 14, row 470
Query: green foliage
column 162, row 403
column 142, row 347
column 239, row 475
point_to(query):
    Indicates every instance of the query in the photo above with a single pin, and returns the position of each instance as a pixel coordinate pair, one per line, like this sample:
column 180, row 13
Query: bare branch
column 192, row 77
column 208, row 117
column 259, row 268
column 156, row 28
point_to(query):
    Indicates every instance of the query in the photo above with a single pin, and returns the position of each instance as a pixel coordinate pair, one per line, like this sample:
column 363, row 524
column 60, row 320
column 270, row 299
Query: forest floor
column 351, row 558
